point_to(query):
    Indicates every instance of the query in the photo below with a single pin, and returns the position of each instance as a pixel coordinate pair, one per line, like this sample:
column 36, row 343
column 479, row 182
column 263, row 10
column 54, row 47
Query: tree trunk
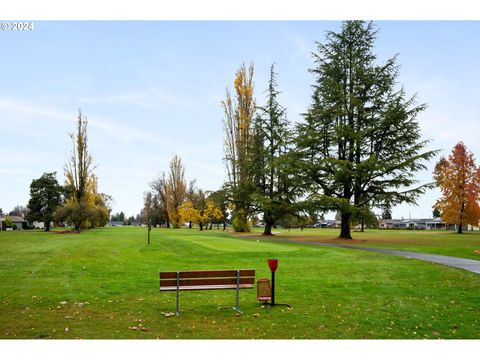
column 211, row 225
column 47, row 225
column 459, row 230
column 201, row 225
column 224, row 225
column 189, row 224
column 268, row 228
column 345, row 227
column 362, row 225
column 269, row 223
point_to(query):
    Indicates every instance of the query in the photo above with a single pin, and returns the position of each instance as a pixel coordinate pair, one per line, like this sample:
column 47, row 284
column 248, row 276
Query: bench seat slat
column 206, row 287
column 209, row 281
column 193, row 274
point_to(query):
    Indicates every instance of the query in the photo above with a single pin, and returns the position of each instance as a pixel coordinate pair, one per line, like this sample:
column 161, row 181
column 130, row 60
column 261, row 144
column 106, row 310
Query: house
column 17, row 221
column 415, row 224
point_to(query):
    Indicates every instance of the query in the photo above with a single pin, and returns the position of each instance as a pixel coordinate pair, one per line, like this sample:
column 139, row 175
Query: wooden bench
column 207, row 280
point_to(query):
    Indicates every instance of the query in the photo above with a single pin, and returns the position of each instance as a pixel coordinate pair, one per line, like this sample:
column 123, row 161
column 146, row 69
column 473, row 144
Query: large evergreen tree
column 45, row 197
column 273, row 185
column 360, row 142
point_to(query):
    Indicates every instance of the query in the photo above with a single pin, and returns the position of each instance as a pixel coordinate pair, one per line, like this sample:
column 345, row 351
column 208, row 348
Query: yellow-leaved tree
column 84, row 206
column 212, row 214
column 238, row 127
column 188, row 213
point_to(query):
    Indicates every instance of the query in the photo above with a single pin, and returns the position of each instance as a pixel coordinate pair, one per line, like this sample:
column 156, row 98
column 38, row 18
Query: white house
column 17, row 221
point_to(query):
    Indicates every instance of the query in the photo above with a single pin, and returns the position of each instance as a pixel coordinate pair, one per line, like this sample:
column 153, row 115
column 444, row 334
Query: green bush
column 239, row 223
column 7, row 223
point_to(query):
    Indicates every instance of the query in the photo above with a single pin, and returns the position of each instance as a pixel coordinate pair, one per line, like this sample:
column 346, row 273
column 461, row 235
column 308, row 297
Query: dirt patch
column 67, row 232
column 318, row 238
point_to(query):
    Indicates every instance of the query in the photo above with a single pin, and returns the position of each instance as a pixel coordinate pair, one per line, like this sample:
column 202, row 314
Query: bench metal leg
column 178, row 295
column 237, row 304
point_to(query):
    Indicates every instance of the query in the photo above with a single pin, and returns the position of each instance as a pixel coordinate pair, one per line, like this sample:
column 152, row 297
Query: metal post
column 178, row 294
column 237, row 305
column 273, row 288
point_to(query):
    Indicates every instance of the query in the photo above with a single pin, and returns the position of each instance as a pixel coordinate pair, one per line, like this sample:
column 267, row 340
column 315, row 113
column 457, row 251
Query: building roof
column 13, row 218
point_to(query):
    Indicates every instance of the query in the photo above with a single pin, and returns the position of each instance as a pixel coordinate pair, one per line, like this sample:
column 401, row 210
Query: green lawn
column 102, row 284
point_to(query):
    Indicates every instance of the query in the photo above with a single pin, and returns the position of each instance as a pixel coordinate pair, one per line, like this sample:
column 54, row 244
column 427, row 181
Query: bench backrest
column 206, row 279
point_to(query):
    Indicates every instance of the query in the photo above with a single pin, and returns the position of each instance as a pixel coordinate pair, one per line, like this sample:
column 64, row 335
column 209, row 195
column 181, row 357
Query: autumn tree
column 45, row 197
column 274, row 192
column 458, row 177
column 211, row 214
column 220, row 199
column 176, row 189
column 359, row 145
column 188, row 213
column 159, row 190
column 199, row 202
column 84, row 207
column 101, row 210
column 191, row 198
column 238, row 125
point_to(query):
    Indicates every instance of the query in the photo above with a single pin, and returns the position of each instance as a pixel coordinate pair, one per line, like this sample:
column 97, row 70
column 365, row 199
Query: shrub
column 7, row 223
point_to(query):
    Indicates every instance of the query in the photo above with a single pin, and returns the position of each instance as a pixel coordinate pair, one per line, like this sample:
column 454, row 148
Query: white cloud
column 109, row 127
column 143, row 98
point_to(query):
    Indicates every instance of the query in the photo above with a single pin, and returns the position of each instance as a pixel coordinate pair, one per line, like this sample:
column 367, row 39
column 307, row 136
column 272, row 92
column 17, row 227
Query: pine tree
column 45, row 197
column 360, row 141
column 271, row 144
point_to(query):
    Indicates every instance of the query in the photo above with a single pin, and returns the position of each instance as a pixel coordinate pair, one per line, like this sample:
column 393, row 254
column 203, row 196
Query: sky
column 152, row 89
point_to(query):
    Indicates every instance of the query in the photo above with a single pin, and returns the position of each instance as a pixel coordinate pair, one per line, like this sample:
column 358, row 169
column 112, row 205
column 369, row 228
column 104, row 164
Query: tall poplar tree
column 176, row 190
column 84, row 207
column 238, row 126
column 360, row 142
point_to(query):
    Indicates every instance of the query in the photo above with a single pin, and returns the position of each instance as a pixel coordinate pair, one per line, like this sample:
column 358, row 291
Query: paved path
column 465, row 264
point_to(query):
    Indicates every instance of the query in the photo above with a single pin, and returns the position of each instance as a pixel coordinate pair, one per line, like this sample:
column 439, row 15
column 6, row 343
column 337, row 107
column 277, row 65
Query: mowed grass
column 441, row 242
column 103, row 284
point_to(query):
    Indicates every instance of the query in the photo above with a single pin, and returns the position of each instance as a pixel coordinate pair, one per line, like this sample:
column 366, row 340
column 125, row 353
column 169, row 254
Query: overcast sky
column 153, row 89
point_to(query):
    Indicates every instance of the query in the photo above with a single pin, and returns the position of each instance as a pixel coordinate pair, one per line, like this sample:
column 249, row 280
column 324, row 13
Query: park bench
column 207, row 280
